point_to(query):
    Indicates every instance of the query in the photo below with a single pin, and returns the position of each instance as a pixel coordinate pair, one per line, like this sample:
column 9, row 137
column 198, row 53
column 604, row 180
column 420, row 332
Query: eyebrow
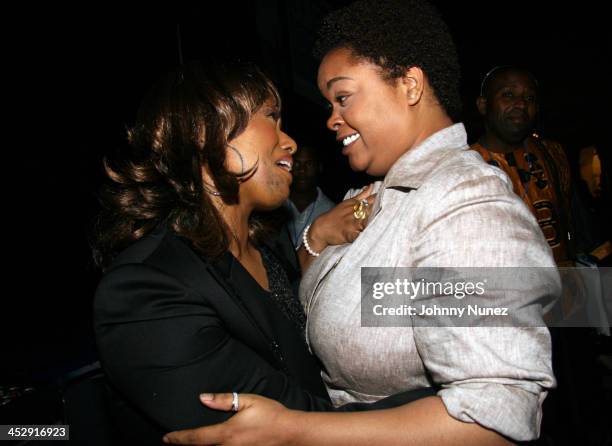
column 335, row 79
column 515, row 85
column 271, row 107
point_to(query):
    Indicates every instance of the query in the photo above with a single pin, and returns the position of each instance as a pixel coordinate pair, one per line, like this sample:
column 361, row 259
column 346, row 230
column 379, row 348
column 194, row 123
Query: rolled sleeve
column 494, row 376
column 497, row 377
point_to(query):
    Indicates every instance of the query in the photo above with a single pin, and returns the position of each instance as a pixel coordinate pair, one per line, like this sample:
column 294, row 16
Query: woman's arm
column 495, row 375
column 335, row 227
column 161, row 344
column 264, row 422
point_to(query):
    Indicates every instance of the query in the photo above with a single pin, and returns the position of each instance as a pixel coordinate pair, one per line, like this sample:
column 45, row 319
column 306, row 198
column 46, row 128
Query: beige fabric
column 440, row 205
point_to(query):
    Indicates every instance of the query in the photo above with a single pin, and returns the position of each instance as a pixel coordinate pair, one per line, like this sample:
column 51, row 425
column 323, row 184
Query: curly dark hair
column 397, row 35
column 183, row 124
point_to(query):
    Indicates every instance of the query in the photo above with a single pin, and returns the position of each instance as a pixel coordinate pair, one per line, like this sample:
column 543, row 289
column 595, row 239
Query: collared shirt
column 440, row 205
column 299, row 220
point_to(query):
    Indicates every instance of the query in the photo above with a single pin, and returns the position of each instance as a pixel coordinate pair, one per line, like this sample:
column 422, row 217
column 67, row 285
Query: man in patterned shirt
column 538, row 168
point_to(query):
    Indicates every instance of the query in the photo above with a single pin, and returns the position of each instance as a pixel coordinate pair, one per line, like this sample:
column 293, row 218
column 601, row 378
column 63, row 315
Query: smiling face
column 372, row 117
column 511, row 106
column 265, row 145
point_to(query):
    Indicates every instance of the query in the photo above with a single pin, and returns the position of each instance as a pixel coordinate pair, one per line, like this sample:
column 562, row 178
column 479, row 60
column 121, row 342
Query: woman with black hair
column 194, row 295
column 389, row 71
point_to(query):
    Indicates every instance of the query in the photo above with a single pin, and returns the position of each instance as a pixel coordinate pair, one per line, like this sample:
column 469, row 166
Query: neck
column 494, row 144
column 436, row 119
column 236, row 217
column 301, row 199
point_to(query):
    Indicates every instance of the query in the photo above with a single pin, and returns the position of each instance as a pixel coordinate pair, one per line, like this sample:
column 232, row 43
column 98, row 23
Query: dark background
column 76, row 76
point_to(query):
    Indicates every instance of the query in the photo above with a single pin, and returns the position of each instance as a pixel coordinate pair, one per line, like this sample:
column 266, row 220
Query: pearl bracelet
column 306, row 245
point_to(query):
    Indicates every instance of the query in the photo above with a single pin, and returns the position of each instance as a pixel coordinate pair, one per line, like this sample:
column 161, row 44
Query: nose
column 521, row 102
column 298, row 167
column 287, row 143
column 335, row 121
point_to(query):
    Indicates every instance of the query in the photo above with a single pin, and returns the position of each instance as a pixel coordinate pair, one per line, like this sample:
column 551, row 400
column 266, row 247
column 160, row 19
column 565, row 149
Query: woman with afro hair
column 389, row 71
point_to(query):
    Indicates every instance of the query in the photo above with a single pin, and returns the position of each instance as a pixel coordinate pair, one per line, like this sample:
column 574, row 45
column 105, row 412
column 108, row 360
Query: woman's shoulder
column 161, row 258
column 467, row 170
column 160, row 248
column 159, row 267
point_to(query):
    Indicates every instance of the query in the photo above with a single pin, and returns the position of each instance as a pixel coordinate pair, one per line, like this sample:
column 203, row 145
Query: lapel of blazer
column 266, row 336
column 202, row 275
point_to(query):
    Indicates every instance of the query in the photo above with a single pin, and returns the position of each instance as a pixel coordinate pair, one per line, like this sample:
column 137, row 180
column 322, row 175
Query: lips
column 285, row 163
column 350, row 139
column 518, row 116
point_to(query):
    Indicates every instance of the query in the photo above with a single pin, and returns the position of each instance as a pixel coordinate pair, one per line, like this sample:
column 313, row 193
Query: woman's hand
column 337, row 226
column 259, row 421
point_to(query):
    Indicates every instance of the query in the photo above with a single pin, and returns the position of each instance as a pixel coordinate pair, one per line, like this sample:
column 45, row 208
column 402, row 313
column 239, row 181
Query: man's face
column 511, row 106
column 305, row 170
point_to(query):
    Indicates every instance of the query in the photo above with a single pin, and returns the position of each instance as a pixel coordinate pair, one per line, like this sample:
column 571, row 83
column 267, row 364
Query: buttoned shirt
column 440, row 205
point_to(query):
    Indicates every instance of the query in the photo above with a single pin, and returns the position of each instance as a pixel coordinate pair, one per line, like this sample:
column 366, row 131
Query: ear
column 413, row 84
column 481, row 105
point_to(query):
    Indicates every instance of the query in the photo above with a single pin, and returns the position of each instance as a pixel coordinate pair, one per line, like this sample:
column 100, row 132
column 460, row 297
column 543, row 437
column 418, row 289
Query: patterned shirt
column 542, row 181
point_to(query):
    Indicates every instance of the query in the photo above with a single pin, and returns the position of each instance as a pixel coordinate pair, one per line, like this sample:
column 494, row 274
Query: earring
column 241, row 159
column 244, row 174
column 210, row 191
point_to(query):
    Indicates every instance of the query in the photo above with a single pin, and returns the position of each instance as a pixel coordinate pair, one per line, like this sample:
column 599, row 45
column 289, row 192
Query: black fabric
column 282, row 246
column 87, row 411
column 396, row 400
column 281, row 292
column 170, row 325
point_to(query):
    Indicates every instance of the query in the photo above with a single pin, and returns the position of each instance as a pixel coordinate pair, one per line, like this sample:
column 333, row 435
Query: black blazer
column 170, row 325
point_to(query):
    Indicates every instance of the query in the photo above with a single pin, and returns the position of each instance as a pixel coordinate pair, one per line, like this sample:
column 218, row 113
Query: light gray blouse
column 440, row 205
